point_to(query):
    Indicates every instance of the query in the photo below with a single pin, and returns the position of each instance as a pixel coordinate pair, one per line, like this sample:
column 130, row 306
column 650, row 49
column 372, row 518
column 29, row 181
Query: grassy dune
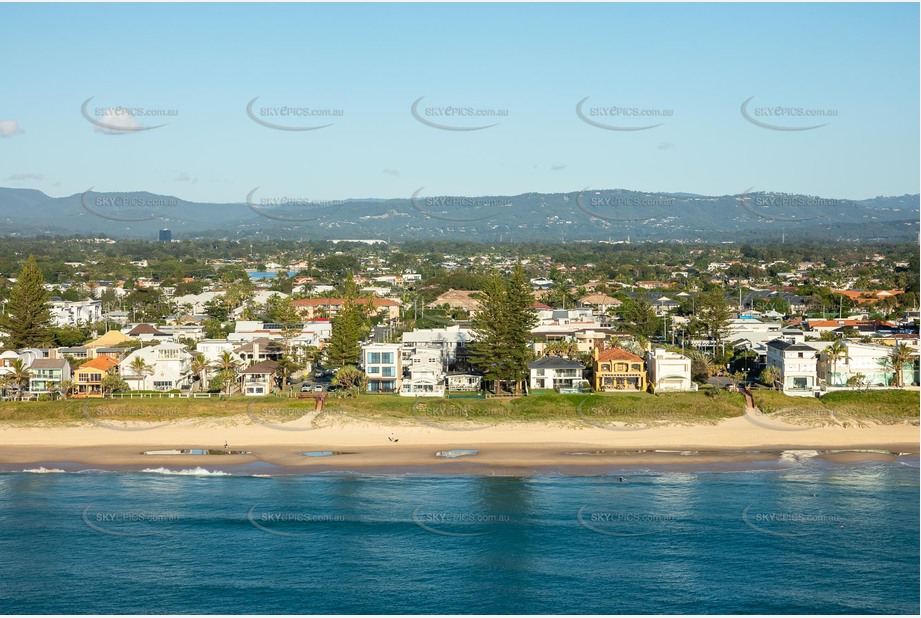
column 843, row 408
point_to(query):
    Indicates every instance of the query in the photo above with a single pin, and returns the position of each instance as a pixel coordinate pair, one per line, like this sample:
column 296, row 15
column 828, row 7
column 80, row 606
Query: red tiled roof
column 103, row 363
column 320, row 302
column 615, row 354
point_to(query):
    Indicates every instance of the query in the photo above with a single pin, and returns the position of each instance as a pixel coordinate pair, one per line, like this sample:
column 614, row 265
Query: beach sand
column 506, row 449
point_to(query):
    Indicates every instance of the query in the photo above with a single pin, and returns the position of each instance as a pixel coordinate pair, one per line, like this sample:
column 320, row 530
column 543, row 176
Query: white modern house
column 426, row 375
column 669, row 371
column 169, row 366
column 383, row 364
column 213, row 348
column 452, row 341
column 555, row 372
column 75, row 312
column 867, row 361
column 797, row 364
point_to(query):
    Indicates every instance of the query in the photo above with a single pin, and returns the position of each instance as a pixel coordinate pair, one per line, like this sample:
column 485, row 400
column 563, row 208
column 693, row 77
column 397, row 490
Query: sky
column 714, row 99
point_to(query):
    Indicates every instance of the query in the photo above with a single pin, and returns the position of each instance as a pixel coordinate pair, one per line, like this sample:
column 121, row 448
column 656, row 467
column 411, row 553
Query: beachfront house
column 383, row 364
column 669, row 371
column 426, row 375
column 260, row 379
column 797, row 364
column 165, row 367
column 555, row 372
column 867, row 363
column 464, row 381
column 88, row 377
column 616, row 369
column 46, row 374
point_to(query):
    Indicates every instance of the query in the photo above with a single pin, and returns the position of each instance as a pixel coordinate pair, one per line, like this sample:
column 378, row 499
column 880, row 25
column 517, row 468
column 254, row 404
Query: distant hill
column 597, row 215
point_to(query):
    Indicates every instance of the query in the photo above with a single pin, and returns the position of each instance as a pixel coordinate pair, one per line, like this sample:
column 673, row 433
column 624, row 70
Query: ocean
column 806, row 537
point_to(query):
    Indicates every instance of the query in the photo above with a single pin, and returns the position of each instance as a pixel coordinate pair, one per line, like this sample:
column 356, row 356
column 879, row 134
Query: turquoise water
column 813, row 537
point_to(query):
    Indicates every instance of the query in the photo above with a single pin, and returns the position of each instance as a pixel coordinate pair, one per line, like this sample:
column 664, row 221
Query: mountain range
column 612, row 215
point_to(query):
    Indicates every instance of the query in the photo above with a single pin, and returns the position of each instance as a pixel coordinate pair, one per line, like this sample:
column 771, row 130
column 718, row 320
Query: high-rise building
column 166, row 235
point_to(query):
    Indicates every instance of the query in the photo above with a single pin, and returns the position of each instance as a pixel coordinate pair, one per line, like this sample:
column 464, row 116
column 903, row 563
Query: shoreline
column 506, row 449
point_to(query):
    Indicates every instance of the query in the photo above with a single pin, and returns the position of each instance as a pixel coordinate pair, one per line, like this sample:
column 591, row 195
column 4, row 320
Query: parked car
column 305, row 388
column 318, row 388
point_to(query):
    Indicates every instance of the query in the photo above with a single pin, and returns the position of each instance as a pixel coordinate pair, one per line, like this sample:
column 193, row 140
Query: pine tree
column 27, row 320
column 348, row 329
column 502, row 326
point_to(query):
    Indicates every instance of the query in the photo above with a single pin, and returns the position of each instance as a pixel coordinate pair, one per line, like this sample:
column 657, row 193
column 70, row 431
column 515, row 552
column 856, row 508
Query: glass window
column 389, row 372
column 374, row 358
column 387, row 358
column 374, row 370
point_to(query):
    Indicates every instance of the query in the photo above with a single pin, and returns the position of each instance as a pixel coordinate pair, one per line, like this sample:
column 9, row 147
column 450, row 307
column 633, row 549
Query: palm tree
column 64, row 388
column 836, row 350
column 18, row 377
column 564, row 348
column 227, row 365
column 900, row 355
column 140, row 368
column 200, row 368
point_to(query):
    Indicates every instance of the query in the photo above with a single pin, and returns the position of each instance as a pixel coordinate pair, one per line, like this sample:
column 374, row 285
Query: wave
column 198, row 471
column 44, row 470
column 798, row 456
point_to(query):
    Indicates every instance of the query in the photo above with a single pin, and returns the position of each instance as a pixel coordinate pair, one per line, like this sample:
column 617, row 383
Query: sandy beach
column 513, row 448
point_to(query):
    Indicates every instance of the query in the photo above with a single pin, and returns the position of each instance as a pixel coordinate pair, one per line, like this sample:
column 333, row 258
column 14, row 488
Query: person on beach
column 393, row 438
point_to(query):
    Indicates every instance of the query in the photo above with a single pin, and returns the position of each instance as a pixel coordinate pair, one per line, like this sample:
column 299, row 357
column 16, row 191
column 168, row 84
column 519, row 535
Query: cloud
column 9, row 128
column 557, row 167
column 390, row 172
column 21, row 177
column 113, row 123
column 186, row 177
column 665, row 146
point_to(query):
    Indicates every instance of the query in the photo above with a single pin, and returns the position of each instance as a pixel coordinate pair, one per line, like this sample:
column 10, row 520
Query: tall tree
column 27, row 321
column 502, row 326
column 714, row 313
column 349, row 328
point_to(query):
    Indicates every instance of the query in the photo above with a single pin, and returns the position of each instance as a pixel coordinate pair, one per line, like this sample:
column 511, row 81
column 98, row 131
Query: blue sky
column 692, row 65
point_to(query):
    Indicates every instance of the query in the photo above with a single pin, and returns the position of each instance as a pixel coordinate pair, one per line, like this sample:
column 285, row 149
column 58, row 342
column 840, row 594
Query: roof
column 145, row 329
column 48, row 363
column 780, row 344
column 599, row 299
column 266, row 366
column 111, row 338
column 555, row 362
column 265, row 345
column 457, row 298
column 615, row 354
column 103, row 363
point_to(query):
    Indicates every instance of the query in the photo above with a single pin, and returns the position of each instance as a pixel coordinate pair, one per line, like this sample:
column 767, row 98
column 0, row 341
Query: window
column 166, row 385
column 374, row 370
column 374, row 358
column 387, row 358
column 635, row 367
column 389, row 372
column 605, row 367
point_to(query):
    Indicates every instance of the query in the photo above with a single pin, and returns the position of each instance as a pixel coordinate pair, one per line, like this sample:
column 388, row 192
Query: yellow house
column 618, row 370
column 88, row 376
